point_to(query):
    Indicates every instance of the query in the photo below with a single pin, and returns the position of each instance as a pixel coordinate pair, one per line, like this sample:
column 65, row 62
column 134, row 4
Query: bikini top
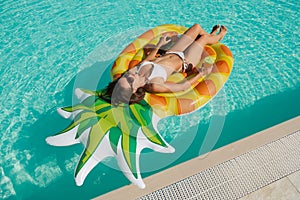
column 157, row 70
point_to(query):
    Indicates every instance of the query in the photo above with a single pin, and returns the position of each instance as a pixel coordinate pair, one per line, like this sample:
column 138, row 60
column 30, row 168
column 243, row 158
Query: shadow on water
column 263, row 114
column 239, row 124
column 56, row 186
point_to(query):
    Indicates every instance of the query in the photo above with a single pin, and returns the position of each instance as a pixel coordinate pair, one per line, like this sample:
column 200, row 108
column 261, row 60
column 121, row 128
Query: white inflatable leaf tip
column 63, row 113
column 81, row 95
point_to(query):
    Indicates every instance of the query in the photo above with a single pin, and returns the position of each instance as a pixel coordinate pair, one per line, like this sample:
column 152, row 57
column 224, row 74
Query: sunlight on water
column 45, row 44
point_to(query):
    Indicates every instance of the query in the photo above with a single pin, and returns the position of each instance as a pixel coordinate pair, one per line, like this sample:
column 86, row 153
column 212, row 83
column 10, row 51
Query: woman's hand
column 205, row 70
column 165, row 39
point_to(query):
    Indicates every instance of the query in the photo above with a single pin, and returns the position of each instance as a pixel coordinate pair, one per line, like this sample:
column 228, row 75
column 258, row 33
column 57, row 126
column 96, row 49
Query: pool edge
column 194, row 166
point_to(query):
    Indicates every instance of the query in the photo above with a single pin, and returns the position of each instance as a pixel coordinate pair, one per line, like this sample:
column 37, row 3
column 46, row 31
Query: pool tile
column 280, row 190
column 295, row 179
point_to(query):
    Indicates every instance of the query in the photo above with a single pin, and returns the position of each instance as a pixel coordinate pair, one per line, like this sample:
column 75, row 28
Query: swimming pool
column 49, row 48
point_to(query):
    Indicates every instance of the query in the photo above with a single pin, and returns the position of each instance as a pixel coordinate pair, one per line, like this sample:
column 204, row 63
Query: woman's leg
column 194, row 51
column 188, row 38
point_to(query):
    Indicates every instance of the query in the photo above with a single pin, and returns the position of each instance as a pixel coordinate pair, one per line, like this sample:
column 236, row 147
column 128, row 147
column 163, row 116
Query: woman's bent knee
column 196, row 26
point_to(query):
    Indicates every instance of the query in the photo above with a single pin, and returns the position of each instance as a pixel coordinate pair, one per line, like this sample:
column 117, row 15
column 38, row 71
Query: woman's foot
column 215, row 29
column 223, row 32
column 212, row 39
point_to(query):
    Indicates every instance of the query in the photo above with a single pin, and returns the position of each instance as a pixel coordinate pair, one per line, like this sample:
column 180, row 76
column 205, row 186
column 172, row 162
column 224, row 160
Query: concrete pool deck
column 230, row 172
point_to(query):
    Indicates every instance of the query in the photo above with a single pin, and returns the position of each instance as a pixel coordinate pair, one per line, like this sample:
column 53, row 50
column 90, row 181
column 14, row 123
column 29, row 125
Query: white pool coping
column 196, row 165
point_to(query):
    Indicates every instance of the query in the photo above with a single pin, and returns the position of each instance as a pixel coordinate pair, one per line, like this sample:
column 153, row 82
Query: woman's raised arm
column 162, row 41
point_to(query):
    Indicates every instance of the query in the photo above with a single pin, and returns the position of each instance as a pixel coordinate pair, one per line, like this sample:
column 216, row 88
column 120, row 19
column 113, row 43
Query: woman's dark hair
column 115, row 94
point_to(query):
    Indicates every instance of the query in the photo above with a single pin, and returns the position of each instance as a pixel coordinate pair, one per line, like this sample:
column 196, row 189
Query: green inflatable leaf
column 106, row 130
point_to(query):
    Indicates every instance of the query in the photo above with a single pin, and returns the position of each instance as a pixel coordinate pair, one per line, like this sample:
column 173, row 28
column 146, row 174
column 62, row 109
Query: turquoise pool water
column 48, row 48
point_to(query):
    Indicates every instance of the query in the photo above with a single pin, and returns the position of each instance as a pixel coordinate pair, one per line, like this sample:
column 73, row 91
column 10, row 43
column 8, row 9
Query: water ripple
column 46, row 43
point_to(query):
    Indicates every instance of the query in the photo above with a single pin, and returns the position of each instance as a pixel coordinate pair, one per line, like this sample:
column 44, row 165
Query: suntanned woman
column 151, row 74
